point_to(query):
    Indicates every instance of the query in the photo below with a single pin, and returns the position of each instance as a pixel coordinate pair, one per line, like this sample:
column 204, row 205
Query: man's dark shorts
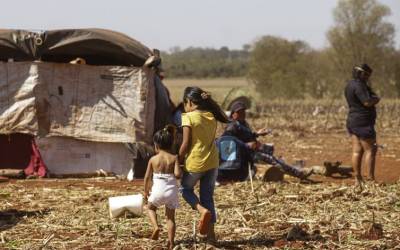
column 367, row 132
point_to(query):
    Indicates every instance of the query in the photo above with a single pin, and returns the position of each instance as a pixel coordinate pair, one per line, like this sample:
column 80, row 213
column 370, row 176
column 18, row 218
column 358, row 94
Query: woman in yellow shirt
column 199, row 125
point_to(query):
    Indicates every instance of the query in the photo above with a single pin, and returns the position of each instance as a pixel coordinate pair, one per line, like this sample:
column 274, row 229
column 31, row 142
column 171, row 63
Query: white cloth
column 164, row 191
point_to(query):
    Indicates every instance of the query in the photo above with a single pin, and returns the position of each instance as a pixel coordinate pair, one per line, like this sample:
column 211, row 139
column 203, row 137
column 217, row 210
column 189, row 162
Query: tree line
column 206, row 62
column 292, row 69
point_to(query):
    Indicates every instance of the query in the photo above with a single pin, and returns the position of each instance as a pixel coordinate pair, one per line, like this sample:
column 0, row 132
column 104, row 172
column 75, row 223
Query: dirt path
column 314, row 149
column 317, row 148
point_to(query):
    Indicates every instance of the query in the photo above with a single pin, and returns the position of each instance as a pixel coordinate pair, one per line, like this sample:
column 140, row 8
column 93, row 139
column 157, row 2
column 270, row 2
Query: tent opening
column 16, row 151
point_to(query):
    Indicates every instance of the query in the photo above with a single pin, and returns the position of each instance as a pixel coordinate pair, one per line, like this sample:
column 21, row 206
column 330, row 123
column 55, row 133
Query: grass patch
column 219, row 87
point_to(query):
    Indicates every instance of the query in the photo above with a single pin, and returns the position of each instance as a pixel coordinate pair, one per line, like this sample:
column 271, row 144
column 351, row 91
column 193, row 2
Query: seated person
column 239, row 128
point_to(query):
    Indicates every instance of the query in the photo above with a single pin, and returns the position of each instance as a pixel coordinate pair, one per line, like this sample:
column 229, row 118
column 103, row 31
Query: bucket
column 132, row 203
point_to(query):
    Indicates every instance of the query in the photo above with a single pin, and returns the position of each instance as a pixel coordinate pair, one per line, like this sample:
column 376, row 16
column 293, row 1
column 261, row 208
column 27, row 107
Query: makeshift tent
column 82, row 116
column 96, row 46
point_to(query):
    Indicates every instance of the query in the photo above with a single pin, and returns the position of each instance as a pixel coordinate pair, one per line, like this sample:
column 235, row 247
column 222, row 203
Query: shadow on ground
column 11, row 217
column 260, row 241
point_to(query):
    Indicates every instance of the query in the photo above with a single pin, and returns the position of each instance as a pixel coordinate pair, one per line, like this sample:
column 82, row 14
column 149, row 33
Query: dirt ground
column 73, row 213
column 314, row 149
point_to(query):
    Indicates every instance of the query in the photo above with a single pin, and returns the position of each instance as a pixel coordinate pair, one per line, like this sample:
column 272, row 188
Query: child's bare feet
column 359, row 183
column 205, row 218
column 359, row 180
column 371, row 179
column 155, row 234
column 170, row 245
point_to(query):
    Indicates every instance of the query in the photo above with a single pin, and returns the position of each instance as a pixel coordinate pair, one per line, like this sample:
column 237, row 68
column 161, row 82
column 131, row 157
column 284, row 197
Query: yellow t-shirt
column 203, row 154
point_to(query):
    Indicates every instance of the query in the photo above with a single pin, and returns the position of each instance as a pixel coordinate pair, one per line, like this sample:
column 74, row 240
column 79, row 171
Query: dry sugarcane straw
column 82, row 218
column 194, row 234
column 241, row 217
column 46, row 241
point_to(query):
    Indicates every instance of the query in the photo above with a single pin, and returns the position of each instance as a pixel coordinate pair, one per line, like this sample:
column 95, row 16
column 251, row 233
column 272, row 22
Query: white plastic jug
column 120, row 204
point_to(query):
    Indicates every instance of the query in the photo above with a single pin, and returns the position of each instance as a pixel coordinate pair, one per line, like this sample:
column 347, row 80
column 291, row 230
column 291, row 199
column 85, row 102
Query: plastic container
column 132, row 203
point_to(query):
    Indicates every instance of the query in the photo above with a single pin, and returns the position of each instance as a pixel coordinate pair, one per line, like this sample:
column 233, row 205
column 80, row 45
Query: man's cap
column 237, row 106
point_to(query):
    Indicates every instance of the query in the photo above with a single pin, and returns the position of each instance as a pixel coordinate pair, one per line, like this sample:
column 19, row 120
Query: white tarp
column 70, row 156
column 17, row 99
column 92, row 103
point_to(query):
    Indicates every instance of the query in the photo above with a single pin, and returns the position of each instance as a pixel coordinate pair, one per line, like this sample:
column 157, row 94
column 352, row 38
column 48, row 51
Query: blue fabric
column 233, row 153
column 228, row 150
column 207, row 184
column 177, row 118
column 235, row 157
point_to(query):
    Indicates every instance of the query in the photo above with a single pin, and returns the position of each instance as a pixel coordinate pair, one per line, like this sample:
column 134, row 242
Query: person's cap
column 364, row 67
column 237, row 106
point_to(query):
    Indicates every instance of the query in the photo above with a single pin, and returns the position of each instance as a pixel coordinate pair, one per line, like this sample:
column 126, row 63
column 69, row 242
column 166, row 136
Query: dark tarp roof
column 96, row 46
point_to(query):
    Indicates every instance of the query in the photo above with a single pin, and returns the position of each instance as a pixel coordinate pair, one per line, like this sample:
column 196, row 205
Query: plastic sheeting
column 92, row 103
column 70, row 156
column 17, row 99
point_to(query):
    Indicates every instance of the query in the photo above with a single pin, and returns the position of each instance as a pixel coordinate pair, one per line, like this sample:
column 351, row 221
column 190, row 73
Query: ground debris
column 373, row 231
column 60, row 214
column 298, row 233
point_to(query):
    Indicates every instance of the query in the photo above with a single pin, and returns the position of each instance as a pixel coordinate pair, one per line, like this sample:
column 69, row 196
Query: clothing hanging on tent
column 36, row 166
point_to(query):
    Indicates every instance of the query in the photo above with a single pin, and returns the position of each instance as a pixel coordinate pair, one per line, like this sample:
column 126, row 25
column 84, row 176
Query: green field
column 218, row 87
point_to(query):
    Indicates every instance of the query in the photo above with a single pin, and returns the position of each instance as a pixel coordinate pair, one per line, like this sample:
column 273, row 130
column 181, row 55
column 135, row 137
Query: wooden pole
column 251, row 179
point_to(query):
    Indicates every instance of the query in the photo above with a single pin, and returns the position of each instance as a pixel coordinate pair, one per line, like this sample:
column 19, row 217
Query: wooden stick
column 12, row 172
column 251, row 179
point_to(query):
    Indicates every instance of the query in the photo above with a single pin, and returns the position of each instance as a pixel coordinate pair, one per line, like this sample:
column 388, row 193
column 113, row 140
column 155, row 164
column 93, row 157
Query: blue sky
column 206, row 23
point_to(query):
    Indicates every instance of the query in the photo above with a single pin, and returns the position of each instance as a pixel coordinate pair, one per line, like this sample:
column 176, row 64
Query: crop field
column 324, row 213
column 217, row 87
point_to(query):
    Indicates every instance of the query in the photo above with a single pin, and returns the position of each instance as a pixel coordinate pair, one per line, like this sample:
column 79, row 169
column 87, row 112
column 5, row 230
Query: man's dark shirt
column 357, row 93
column 240, row 130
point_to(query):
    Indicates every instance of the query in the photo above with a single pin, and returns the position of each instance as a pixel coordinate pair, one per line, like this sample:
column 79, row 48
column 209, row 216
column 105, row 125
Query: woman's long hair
column 204, row 102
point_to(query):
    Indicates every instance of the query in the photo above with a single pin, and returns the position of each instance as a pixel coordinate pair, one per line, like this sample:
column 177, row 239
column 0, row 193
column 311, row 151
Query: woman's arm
column 177, row 169
column 365, row 94
column 185, row 144
column 147, row 179
column 372, row 102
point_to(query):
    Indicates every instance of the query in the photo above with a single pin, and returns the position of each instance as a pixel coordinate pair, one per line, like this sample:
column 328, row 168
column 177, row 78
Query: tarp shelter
column 81, row 116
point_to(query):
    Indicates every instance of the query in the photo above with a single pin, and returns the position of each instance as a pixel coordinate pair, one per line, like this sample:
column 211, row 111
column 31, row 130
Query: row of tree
column 292, row 69
column 206, row 63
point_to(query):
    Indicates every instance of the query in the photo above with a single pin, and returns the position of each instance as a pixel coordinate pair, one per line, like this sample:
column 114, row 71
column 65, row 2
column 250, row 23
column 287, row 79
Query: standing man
column 361, row 121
